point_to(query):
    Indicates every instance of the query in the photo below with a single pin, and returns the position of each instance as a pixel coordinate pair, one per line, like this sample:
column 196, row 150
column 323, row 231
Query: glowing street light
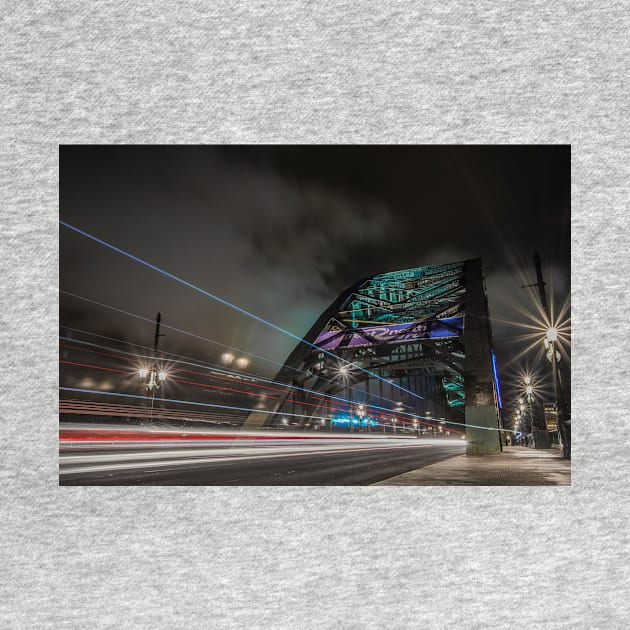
column 552, row 334
column 162, row 375
column 554, row 357
column 242, row 362
column 227, row 358
column 143, row 372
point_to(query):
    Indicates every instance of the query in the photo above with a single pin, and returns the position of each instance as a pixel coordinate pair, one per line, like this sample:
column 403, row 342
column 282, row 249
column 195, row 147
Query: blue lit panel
column 496, row 379
column 351, row 420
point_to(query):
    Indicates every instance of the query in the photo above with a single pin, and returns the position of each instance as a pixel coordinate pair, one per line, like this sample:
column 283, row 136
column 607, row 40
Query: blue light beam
column 230, row 305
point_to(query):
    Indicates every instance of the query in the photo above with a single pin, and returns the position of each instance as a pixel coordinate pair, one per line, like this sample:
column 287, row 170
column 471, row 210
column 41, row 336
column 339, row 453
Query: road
column 115, row 456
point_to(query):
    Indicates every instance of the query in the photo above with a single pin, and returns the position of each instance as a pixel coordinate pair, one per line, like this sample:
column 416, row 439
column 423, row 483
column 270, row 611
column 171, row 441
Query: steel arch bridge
column 406, row 350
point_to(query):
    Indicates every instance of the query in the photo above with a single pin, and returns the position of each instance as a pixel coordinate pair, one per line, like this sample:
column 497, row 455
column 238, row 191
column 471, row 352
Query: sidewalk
column 515, row 466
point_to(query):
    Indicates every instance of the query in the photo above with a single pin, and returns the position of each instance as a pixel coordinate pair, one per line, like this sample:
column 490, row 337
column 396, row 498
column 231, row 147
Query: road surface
column 148, row 457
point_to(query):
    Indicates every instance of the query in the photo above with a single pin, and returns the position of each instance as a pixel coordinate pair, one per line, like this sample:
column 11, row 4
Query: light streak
column 94, row 367
column 80, row 464
column 230, row 305
column 96, row 408
column 349, row 406
column 238, row 375
column 238, row 380
column 175, row 380
column 210, row 366
column 82, row 407
column 163, row 325
column 131, row 357
column 234, row 408
column 184, row 402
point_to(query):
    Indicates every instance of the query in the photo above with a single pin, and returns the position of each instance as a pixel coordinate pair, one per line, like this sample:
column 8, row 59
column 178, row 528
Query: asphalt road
column 330, row 463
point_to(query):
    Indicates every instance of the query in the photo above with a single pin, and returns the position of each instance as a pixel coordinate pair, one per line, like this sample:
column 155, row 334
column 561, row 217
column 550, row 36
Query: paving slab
column 515, row 466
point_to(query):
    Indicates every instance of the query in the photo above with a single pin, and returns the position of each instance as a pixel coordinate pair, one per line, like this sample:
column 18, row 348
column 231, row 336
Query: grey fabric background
column 326, row 72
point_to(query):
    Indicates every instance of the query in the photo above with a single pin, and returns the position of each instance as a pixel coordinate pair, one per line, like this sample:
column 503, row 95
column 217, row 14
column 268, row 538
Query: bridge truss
column 401, row 351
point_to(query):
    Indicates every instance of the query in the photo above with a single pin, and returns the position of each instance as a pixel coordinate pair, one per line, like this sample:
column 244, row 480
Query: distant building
column 551, row 416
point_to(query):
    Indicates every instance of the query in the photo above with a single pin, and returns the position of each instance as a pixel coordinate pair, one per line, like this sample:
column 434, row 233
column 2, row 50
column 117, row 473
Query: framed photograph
column 315, row 315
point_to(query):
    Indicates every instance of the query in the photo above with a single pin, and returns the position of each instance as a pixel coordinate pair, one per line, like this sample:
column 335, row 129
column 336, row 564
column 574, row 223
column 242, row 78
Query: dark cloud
column 281, row 231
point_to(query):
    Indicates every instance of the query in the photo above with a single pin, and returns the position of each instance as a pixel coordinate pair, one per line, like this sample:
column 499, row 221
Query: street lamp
column 242, row 362
column 227, row 358
column 529, row 391
column 552, row 334
column 152, row 384
column 551, row 338
column 343, row 372
column 152, row 377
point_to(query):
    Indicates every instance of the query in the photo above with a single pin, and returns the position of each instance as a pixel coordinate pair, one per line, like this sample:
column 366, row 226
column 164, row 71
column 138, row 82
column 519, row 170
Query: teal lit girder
column 420, row 346
column 404, row 296
column 453, row 385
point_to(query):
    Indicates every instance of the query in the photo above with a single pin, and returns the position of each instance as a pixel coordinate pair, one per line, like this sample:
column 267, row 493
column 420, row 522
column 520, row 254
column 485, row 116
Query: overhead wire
column 231, row 305
column 211, row 368
column 353, row 388
column 235, row 408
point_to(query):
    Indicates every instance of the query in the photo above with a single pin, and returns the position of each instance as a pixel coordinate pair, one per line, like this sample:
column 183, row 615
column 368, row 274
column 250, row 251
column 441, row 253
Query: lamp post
column 343, row 372
column 152, row 377
column 551, row 338
column 524, row 424
column 529, row 397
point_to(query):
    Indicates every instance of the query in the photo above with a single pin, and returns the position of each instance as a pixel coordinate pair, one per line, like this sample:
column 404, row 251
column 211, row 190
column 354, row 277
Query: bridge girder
column 426, row 327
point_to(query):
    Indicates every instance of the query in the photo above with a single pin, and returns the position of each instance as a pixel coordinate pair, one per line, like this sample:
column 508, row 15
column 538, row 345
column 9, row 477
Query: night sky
column 281, row 231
